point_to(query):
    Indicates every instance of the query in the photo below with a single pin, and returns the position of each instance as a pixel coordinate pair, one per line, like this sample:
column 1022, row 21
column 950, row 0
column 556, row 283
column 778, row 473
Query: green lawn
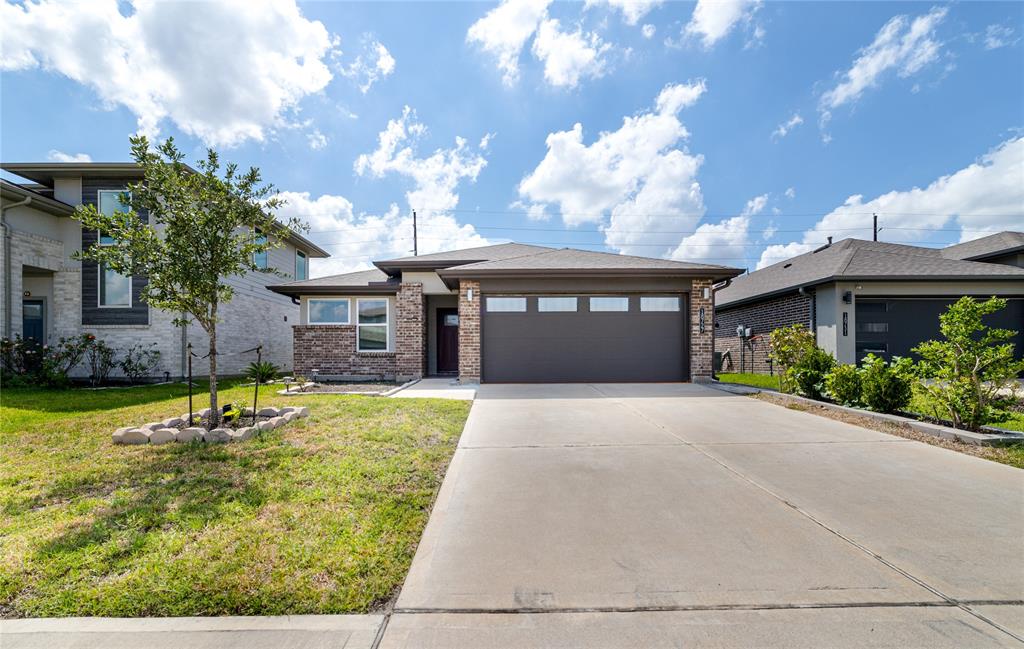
column 322, row 516
column 756, row 380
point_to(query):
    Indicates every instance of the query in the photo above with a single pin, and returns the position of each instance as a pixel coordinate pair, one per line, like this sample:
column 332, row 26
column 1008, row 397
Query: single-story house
column 510, row 313
column 862, row 297
column 45, row 294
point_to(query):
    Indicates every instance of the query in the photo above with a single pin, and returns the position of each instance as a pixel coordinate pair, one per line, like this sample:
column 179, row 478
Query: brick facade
column 762, row 318
column 410, row 332
column 331, row 350
column 469, row 331
column 702, row 337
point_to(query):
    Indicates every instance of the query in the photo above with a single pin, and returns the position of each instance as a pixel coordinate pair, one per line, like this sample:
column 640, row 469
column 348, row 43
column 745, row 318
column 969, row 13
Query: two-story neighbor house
column 862, row 297
column 510, row 313
column 46, row 295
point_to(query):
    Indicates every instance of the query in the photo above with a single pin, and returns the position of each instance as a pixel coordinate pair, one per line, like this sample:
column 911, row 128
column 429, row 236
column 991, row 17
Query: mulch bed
column 367, row 387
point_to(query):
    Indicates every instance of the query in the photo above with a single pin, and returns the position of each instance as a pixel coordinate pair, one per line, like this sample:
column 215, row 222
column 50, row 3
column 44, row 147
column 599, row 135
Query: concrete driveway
column 678, row 515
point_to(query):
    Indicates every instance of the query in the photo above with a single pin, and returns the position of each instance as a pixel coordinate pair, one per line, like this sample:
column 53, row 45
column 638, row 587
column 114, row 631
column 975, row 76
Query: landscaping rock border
column 999, row 438
column 176, row 429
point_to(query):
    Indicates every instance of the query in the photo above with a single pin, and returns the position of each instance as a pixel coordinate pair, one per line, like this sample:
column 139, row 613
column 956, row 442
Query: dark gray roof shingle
column 573, row 259
column 990, row 246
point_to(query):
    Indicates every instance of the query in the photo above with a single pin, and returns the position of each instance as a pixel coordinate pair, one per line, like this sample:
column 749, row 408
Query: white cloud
column 903, row 45
column 225, row 72
column 534, row 211
column 59, row 156
column 791, row 193
column 724, row 242
column 640, row 179
column 632, row 10
column 568, row 56
column 317, row 140
column 769, row 232
column 435, row 177
column 648, row 31
column 504, row 31
column 712, row 20
column 370, row 67
column 356, row 240
column 984, row 197
column 997, row 36
column 783, row 129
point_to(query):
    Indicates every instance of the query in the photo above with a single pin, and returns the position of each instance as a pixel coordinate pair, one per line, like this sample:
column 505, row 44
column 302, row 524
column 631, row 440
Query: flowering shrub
column 139, row 361
column 29, row 362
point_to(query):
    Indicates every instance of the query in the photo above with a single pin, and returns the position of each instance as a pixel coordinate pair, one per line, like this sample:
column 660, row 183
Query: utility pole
column 415, row 243
column 875, row 227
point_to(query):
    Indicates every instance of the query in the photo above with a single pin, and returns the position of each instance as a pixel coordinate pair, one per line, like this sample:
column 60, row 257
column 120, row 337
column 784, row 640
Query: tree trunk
column 214, row 407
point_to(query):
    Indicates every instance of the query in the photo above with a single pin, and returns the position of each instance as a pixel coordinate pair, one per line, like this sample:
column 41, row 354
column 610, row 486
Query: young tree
column 973, row 369
column 203, row 227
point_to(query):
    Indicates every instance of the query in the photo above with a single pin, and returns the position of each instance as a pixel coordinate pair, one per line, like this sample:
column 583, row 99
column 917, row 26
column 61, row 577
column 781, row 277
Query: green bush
column 262, row 372
column 788, row 346
column 972, row 369
column 843, row 385
column 28, row 362
column 887, row 387
column 808, row 375
column 100, row 358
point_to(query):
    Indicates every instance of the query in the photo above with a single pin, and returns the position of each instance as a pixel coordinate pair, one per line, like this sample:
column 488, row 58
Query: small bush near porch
column 322, row 516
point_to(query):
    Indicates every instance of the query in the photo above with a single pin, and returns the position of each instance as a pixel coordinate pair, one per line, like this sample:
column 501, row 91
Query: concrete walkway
column 678, row 515
column 437, row 388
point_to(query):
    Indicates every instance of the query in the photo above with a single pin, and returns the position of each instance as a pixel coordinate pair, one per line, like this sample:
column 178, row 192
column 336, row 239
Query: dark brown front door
column 447, row 341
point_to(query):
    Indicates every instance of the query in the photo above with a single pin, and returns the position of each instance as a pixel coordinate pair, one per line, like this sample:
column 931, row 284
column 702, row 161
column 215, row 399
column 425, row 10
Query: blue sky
column 726, row 132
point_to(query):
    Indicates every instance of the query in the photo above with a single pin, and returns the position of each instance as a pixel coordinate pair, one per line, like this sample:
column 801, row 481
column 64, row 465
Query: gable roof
column 994, row 245
column 362, row 282
column 855, row 259
column 448, row 258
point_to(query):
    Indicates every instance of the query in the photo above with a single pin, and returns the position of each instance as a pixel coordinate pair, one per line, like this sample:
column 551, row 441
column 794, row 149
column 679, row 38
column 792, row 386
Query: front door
column 33, row 320
column 447, row 341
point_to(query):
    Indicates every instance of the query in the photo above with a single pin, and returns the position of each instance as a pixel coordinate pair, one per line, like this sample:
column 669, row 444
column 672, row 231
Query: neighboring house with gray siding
column 863, row 297
column 510, row 313
column 46, row 294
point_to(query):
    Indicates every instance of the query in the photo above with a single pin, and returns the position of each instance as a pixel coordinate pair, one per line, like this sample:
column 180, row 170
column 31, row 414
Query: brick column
column 469, row 331
column 702, row 344
column 410, row 331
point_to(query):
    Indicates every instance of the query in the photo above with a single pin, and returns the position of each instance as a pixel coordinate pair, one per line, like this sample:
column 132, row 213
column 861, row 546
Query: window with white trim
column 617, row 304
column 506, row 305
column 372, row 325
column 558, row 304
column 115, row 290
column 301, row 265
column 659, row 303
column 329, row 310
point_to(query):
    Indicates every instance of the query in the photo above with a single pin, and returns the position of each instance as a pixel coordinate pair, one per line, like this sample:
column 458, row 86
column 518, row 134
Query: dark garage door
column 565, row 338
column 892, row 327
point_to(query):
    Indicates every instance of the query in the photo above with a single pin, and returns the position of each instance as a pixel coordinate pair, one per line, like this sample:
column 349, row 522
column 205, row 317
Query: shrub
column 139, row 361
column 262, row 372
column 842, row 385
column 887, row 387
column 808, row 375
column 100, row 358
column 28, row 362
column 972, row 370
column 788, row 346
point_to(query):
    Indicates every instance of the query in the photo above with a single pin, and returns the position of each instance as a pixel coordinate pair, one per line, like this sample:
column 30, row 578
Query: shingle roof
column 573, row 259
column 857, row 259
column 466, row 255
column 363, row 281
column 990, row 246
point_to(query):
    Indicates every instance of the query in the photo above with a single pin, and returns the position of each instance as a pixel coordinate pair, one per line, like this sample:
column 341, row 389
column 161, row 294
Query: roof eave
column 995, row 253
column 395, row 267
column 298, row 291
column 39, row 201
column 716, row 274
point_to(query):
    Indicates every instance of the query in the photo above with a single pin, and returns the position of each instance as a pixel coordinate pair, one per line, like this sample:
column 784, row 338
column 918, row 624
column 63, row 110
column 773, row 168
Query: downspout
column 715, row 288
column 7, row 262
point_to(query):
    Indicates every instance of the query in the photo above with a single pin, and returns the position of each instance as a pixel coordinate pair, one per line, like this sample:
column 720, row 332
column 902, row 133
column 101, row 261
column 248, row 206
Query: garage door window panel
column 556, row 304
column 659, row 304
column 372, row 325
column 506, row 305
column 609, row 304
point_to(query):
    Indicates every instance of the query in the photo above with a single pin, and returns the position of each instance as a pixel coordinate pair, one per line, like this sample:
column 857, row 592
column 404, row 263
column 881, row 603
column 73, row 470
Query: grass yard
column 321, row 516
column 756, row 380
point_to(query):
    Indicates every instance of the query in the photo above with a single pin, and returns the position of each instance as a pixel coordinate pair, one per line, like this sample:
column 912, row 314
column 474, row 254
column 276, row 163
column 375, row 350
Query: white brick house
column 46, row 294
